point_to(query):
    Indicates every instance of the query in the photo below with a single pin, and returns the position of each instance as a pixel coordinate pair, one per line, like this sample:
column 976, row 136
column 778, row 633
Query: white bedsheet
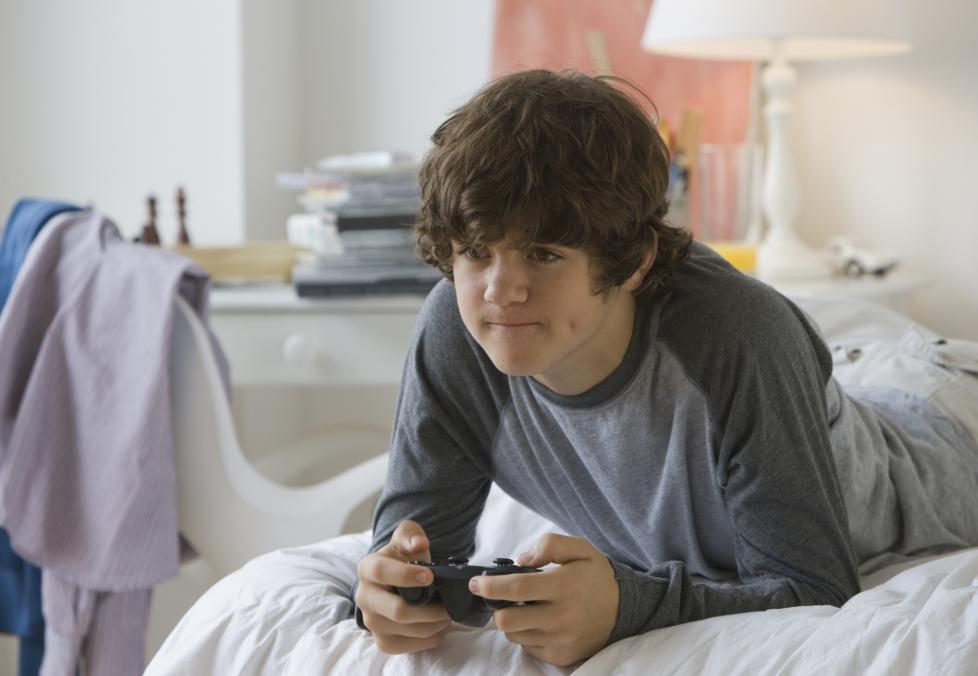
column 288, row 612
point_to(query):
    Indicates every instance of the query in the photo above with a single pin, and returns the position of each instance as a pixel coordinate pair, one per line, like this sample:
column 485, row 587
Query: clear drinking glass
column 730, row 200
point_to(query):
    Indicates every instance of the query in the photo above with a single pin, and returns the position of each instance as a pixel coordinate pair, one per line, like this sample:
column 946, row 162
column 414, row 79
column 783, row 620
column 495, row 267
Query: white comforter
column 289, row 612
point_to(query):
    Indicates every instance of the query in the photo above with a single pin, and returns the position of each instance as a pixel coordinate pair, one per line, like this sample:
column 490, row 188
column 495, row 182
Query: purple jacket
column 87, row 479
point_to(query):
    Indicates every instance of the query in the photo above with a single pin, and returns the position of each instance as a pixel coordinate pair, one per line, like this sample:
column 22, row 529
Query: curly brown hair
column 539, row 157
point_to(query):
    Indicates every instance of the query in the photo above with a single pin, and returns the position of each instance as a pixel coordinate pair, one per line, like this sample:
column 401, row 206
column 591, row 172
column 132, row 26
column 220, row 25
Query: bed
column 289, row 611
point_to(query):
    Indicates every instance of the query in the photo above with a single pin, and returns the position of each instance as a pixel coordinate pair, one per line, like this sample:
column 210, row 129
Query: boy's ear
column 648, row 259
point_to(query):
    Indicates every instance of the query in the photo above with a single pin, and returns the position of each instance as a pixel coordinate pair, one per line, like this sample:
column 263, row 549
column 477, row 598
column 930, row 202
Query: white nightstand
column 271, row 336
column 315, row 380
column 892, row 290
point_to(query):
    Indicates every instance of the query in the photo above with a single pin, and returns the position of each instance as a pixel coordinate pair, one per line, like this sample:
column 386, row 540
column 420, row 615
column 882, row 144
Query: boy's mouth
column 509, row 323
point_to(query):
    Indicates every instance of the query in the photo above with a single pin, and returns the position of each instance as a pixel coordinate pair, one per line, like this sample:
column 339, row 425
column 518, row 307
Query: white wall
column 324, row 77
column 887, row 151
column 105, row 101
column 384, row 74
column 273, row 102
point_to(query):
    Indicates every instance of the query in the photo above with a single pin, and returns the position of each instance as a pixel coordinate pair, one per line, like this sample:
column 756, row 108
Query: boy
column 680, row 418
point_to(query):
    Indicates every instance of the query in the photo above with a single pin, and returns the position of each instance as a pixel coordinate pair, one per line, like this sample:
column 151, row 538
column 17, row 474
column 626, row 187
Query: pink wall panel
column 554, row 34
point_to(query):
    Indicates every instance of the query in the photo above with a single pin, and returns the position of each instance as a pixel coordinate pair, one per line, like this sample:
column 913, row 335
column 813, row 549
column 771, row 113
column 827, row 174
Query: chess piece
column 150, row 234
column 183, row 236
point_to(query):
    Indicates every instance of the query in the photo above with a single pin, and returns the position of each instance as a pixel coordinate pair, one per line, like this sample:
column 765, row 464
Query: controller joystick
column 451, row 587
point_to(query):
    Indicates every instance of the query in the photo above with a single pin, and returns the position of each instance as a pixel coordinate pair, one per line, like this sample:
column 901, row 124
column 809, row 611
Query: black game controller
column 451, row 585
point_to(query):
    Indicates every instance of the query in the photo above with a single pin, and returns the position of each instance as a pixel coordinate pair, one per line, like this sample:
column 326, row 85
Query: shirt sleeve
column 437, row 475
column 440, row 472
column 776, row 471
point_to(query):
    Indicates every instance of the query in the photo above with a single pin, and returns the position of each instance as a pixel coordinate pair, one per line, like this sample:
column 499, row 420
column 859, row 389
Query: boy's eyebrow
column 547, row 245
column 465, row 243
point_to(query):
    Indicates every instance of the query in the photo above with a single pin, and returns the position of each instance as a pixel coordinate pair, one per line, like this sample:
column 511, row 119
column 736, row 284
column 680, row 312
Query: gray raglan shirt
column 702, row 466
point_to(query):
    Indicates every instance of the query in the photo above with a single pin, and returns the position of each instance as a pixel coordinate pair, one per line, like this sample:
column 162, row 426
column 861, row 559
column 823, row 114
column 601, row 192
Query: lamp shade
column 760, row 30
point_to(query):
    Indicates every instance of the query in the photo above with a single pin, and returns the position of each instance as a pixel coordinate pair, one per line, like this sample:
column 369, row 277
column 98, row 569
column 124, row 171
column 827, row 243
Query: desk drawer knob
column 301, row 350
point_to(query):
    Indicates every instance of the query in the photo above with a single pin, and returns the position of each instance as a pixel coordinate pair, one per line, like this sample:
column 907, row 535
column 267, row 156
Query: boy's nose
column 505, row 285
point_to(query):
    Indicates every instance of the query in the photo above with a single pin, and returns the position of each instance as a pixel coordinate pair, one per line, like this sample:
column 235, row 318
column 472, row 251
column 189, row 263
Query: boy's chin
column 515, row 366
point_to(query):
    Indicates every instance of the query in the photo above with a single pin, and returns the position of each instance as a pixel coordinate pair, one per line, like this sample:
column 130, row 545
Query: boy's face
column 535, row 313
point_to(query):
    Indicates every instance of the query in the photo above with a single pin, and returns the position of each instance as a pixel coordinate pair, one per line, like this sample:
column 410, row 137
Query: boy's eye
column 544, row 255
column 472, row 253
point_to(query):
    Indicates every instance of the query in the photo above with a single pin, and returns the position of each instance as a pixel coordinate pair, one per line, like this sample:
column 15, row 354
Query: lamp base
column 782, row 256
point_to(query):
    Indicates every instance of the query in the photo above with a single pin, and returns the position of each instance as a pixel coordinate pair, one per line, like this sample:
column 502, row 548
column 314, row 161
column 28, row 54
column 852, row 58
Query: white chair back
column 227, row 510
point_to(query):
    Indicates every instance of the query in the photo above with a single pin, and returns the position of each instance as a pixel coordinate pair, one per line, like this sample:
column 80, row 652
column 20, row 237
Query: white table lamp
column 778, row 32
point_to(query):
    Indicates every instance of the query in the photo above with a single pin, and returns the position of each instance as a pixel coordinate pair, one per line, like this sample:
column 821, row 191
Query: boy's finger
column 531, row 638
column 515, row 587
column 389, row 572
column 395, row 609
column 397, row 645
column 410, row 540
column 541, row 616
column 426, row 629
column 554, row 548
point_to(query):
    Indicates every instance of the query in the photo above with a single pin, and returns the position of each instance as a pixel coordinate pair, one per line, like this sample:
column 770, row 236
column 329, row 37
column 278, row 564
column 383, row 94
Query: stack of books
column 358, row 220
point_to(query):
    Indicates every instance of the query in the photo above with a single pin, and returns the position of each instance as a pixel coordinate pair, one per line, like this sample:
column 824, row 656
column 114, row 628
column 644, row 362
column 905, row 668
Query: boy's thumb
column 410, row 538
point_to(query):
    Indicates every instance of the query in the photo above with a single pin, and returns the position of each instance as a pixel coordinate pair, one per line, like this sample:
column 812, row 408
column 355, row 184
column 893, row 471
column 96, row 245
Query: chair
column 227, row 510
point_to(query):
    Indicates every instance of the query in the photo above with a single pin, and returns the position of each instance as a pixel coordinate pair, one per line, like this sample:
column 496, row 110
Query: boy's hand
column 576, row 604
column 397, row 626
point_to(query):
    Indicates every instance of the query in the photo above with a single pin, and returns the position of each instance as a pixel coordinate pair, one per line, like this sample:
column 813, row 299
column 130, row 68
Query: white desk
column 315, row 381
column 273, row 337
